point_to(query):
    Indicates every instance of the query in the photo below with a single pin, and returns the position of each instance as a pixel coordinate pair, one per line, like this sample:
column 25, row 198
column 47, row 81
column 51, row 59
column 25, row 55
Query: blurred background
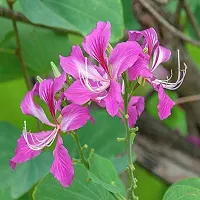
column 34, row 33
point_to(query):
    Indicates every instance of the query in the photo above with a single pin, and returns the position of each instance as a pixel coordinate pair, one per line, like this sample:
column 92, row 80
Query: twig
column 188, row 99
column 192, row 19
column 80, row 149
column 18, row 49
column 18, row 16
column 178, row 14
column 165, row 23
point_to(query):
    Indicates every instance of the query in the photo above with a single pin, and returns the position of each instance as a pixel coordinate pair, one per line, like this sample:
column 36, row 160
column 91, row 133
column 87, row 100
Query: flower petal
column 124, row 56
column 23, row 153
column 29, row 107
column 59, row 82
column 165, row 103
column 95, row 44
column 72, row 63
column 74, row 117
column 113, row 98
column 135, row 109
column 160, row 55
column 79, row 94
column 150, row 38
column 62, row 167
column 46, row 92
column 138, row 102
column 140, row 68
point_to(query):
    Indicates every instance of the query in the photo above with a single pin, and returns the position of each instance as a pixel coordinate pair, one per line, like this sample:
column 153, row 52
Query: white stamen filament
column 84, row 78
column 36, row 144
column 180, row 78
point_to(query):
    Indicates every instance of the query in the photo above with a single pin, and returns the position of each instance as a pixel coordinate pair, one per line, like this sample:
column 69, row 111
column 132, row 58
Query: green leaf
column 121, row 162
column 176, row 121
column 157, row 187
column 187, row 189
column 5, row 194
column 194, row 53
column 16, row 90
column 103, row 172
column 131, row 23
column 74, row 16
column 101, row 136
column 172, row 5
column 29, row 173
column 26, row 174
column 49, row 188
column 39, row 47
column 196, row 15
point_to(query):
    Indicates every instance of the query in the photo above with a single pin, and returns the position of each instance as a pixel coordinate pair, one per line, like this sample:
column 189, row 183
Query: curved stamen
column 40, row 144
column 84, row 78
column 180, row 78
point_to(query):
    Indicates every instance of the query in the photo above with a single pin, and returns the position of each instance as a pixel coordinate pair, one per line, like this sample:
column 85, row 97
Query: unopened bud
column 141, row 80
column 109, row 48
column 85, row 147
column 39, row 79
column 126, row 116
column 55, row 70
column 134, row 129
column 121, row 139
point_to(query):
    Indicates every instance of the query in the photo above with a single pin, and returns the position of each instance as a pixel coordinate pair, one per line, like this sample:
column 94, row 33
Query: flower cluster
column 98, row 77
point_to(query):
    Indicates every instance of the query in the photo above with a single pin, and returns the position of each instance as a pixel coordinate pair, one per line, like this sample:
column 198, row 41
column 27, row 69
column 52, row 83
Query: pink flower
column 72, row 117
column 153, row 55
column 135, row 109
column 99, row 83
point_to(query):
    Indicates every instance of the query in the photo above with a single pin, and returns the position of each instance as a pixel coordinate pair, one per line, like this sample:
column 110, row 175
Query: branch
column 165, row 161
column 165, row 23
column 18, row 49
column 188, row 99
column 164, row 152
column 192, row 19
column 178, row 13
column 18, row 16
column 161, row 133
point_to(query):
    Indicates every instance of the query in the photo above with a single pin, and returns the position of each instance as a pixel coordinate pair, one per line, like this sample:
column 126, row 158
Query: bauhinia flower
column 99, row 83
column 135, row 109
column 71, row 117
column 153, row 55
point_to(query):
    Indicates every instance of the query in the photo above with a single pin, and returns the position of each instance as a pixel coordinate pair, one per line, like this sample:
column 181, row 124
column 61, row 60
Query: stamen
column 84, row 78
column 180, row 78
column 36, row 144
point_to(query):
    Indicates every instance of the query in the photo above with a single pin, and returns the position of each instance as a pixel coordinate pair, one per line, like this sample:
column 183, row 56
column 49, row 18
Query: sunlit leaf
column 188, row 189
column 103, row 172
column 39, row 47
column 26, row 174
column 81, row 189
column 75, row 16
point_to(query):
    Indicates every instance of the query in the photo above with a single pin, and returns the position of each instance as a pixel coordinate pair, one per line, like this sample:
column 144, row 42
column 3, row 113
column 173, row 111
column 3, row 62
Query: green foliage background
column 39, row 47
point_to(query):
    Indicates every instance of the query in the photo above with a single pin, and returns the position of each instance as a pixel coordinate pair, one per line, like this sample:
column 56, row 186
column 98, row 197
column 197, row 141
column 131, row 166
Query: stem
column 129, row 142
column 80, row 149
column 18, row 49
column 133, row 90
